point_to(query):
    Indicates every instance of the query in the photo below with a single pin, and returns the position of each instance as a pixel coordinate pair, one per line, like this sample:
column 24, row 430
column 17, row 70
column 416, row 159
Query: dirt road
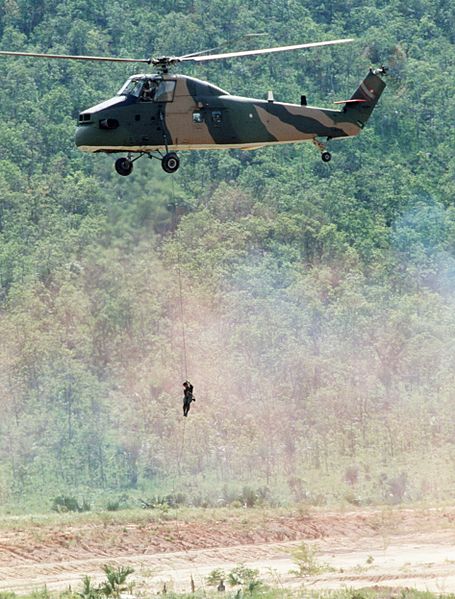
column 412, row 548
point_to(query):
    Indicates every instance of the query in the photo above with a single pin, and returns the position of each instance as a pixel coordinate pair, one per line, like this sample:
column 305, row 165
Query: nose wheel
column 123, row 166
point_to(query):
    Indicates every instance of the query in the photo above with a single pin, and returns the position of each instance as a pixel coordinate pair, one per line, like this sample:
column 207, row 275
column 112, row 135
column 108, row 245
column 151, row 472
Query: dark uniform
column 187, row 397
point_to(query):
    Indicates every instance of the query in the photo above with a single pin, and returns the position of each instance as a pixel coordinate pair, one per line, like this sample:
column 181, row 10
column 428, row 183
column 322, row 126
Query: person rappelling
column 188, row 397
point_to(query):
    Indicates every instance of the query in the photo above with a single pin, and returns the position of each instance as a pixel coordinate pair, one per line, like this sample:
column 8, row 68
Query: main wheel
column 326, row 156
column 123, row 166
column 170, row 162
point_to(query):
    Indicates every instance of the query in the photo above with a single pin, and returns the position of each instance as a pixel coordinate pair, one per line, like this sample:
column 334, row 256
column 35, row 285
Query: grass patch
column 140, row 516
column 86, row 592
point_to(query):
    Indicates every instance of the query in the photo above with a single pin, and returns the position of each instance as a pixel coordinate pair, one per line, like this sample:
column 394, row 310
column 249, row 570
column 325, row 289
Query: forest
column 318, row 300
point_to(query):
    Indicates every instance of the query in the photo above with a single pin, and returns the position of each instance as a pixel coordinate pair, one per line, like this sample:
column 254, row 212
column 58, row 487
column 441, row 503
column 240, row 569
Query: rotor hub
column 164, row 62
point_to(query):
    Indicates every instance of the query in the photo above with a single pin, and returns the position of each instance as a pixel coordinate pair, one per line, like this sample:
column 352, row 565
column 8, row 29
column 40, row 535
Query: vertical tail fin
column 361, row 104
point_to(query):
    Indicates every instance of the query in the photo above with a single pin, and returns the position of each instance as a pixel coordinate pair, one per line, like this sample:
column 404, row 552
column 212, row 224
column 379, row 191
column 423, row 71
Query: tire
column 326, row 156
column 170, row 162
column 123, row 166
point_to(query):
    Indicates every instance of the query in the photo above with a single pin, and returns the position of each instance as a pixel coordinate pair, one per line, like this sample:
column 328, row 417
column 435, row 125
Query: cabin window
column 217, row 117
column 165, row 91
column 198, row 117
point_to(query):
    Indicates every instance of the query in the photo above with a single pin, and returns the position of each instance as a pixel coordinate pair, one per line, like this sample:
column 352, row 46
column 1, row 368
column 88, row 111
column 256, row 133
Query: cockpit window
column 132, row 87
column 165, row 91
column 148, row 90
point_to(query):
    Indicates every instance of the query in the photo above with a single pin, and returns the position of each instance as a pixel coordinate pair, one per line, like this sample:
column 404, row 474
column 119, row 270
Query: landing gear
column 123, row 166
column 170, row 162
column 326, row 156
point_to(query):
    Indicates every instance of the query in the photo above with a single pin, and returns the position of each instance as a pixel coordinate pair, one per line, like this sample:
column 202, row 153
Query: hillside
column 318, row 299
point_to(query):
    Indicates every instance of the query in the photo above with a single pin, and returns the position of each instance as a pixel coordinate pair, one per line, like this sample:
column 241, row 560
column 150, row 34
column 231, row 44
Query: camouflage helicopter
column 158, row 114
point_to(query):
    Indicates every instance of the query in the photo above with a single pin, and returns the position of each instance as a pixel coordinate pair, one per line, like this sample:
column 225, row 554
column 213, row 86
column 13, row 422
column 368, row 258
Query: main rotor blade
column 230, row 42
column 73, row 57
column 262, row 51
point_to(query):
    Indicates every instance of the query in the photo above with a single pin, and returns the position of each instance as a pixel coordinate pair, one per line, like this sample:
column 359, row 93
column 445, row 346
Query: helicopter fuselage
column 175, row 112
column 165, row 113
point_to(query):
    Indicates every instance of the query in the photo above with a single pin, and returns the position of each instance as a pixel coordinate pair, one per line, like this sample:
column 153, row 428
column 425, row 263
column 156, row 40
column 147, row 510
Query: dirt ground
column 374, row 547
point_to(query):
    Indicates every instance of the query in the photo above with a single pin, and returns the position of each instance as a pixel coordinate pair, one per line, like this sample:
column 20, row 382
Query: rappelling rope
column 179, row 277
column 182, row 316
column 183, row 363
column 182, row 447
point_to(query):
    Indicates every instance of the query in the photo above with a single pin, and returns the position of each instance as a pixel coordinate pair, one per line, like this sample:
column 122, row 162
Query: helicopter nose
column 95, row 130
column 87, row 137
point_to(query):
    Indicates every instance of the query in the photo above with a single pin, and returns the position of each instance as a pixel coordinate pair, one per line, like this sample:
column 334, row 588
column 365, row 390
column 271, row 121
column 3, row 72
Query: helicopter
column 161, row 113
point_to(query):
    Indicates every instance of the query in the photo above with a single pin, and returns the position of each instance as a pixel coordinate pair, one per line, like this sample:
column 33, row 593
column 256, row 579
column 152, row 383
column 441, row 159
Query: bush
column 164, row 501
column 215, row 577
column 249, row 497
column 353, row 499
column 115, row 580
column 64, row 503
column 246, row 577
column 351, row 475
column 89, row 591
column 113, row 505
column 304, row 557
column 176, row 499
column 114, row 585
column 241, row 575
column 397, row 487
column 394, row 489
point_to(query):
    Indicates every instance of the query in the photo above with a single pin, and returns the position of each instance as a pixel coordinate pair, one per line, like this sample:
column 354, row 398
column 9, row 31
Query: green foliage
column 318, row 299
column 113, row 505
column 280, row 593
column 215, row 577
column 172, row 500
column 305, row 558
column 63, row 503
column 115, row 582
column 88, row 590
column 245, row 577
column 42, row 594
column 113, row 586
